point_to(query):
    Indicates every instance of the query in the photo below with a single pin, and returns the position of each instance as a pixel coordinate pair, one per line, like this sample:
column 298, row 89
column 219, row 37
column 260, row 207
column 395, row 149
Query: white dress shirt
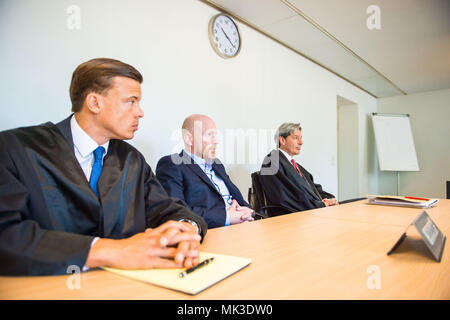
column 84, row 147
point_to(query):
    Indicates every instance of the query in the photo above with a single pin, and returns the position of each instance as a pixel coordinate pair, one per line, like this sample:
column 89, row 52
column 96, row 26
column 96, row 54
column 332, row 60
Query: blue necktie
column 96, row 169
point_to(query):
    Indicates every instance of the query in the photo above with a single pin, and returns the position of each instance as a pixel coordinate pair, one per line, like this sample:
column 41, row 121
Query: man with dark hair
column 75, row 194
column 285, row 182
column 96, row 75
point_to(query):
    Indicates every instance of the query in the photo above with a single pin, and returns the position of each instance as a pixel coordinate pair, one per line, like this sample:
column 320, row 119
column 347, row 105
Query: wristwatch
column 192, row 223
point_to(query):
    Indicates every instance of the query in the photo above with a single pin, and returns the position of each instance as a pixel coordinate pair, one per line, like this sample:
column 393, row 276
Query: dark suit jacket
column 49, row 215
column 284, row 186
column 182, row 178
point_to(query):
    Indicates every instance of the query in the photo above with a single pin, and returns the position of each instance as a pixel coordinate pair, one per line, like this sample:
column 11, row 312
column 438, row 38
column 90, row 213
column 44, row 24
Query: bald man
column 198, row 178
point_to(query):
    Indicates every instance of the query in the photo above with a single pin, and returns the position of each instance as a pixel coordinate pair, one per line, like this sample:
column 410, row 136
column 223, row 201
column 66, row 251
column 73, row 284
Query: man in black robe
column 75, row 194
column 286, row 183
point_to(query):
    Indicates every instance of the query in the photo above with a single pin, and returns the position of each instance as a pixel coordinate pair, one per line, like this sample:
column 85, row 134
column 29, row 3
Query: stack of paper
column 204, row 277
column 402, row 201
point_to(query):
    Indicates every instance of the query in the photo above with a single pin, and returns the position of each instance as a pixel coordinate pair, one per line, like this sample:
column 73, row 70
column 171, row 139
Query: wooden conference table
column 327, row 253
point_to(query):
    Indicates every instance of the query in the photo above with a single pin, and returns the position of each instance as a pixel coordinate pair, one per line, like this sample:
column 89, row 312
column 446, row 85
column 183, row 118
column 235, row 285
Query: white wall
column 265, row 85
column 430, row 122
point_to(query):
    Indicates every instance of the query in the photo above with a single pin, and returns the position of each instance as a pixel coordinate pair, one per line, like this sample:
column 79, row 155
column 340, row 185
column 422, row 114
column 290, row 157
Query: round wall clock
column 224, row 36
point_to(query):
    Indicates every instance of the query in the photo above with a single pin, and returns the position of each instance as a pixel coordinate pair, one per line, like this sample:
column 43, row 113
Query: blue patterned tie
column 208, row 169
column 96, row 169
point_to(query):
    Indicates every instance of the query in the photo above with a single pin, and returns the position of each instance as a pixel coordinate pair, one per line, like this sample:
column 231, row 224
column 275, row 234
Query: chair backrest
column 258, row 200
column 448, row 189
column 256, row 195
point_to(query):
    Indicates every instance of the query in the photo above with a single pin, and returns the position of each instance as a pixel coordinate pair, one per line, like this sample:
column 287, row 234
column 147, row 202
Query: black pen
column 201, row 264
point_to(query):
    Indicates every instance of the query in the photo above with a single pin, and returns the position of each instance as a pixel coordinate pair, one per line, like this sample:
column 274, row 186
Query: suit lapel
column 73, row 165
column 189, row 162
column 294, row 175
column 309, row 181
column 219, row 169
column 113, row 169
column 220, row 172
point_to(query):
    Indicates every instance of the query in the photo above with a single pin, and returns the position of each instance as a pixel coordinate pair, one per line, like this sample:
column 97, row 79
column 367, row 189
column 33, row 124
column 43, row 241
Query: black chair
column 258, row 201
column 448, row 189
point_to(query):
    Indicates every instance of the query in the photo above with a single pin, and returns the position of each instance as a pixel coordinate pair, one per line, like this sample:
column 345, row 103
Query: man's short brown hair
column 96, row 76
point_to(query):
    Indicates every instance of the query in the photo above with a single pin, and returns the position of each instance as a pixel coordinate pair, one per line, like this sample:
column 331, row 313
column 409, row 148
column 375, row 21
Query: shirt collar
column 199, row 161
column 82, row 141
column 287, row 155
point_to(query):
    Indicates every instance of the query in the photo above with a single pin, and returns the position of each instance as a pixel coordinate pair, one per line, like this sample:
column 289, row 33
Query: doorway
column 348, row 149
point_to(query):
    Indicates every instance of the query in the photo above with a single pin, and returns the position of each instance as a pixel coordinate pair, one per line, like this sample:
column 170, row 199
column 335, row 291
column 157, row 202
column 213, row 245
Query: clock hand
column 227, row 37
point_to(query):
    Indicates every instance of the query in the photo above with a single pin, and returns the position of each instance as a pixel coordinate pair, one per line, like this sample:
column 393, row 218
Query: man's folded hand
column 174, row 244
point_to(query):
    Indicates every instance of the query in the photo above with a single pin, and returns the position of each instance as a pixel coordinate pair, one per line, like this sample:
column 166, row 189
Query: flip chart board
column 395, row 143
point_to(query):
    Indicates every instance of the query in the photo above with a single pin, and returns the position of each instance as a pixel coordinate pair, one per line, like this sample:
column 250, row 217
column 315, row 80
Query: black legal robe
column 49, row 214
column 283, row 185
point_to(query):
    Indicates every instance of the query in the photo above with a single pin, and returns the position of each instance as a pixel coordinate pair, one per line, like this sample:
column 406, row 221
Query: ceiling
column 410, row 53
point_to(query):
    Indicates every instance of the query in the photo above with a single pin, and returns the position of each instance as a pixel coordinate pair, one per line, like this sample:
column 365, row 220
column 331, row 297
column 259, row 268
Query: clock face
column 224, row 36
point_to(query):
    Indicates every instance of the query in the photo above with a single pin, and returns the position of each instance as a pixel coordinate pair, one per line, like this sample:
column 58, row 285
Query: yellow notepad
column 223, row 266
